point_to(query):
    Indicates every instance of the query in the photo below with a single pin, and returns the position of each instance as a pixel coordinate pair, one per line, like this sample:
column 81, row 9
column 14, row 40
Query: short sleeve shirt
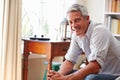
column 98, row 44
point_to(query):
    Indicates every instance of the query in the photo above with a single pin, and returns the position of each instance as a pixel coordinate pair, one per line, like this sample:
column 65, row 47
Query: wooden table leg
column 49, row 56
column 25, row 67
column 49, row 65
column 25, row 62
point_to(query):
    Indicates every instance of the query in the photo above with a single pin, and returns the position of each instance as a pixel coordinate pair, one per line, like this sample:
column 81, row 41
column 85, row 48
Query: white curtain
column 10, row 42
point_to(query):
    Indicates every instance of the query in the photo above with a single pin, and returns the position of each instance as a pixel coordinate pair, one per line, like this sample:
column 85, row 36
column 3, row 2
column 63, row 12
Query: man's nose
column 74, row 24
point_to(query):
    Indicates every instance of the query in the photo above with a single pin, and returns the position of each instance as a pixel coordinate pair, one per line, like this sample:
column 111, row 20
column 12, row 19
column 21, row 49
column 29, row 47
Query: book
column 109, row 4
column 118, row 6
column 113, row 5
column 115, row 26
column 109, row 22
column 118, row 32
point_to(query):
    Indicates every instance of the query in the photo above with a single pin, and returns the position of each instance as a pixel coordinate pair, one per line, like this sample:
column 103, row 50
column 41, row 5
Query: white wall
column 80, row 1
column 96, row 9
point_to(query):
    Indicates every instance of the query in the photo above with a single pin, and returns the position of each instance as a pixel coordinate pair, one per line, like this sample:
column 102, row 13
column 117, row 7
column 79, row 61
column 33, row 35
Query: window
column 42, row 17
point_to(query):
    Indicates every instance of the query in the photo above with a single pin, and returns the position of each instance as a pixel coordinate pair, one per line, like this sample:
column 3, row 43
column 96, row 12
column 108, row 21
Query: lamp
column 64, row 31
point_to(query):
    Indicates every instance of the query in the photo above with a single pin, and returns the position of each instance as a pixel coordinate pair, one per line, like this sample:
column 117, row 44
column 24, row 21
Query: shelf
column 113, row 14
column 117, row 36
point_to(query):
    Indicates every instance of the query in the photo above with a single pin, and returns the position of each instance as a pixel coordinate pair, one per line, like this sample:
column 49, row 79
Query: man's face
column 78, row 23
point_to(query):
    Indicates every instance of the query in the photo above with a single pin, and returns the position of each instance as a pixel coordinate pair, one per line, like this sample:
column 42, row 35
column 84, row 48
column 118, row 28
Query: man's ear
column 87, row 17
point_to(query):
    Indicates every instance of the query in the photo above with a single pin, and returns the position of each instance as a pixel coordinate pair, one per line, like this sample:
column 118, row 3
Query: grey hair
column 76, row 7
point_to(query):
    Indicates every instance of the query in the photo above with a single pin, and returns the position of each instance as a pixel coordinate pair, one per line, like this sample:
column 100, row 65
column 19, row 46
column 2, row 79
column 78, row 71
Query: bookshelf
column 112, row 16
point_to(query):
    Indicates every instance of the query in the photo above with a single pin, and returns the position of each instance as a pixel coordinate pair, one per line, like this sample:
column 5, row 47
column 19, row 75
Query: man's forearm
column 66, row 67
column 91, row 68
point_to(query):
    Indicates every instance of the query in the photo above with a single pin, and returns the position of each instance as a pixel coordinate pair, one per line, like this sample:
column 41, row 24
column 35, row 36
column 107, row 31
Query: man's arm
column 66, row 67
column 92, row 68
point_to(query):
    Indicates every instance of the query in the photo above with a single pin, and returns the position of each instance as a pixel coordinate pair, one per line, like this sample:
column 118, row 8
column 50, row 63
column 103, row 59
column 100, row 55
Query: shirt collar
column 89, row 30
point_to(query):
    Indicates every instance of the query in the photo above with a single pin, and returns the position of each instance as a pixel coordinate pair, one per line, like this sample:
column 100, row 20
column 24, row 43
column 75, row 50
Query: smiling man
column 100, row 47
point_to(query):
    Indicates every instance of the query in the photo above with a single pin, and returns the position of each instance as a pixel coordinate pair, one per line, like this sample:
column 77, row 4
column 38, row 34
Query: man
column 100, row 47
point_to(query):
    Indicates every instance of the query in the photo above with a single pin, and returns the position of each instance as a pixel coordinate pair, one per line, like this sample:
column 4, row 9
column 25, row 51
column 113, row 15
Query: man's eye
column 77, row 20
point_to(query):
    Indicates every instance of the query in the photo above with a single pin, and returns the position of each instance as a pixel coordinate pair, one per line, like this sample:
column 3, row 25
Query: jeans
column 100, row 77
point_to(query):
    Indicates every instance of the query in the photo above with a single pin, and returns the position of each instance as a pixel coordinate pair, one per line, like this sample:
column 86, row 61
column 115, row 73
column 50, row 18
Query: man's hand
column 53, row 75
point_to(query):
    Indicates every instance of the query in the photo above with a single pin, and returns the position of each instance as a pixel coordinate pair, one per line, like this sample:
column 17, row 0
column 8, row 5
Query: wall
column 96, row 9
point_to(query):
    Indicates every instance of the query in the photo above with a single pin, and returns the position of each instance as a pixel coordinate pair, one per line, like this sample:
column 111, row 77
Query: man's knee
column 90, row 77
column 100, row 77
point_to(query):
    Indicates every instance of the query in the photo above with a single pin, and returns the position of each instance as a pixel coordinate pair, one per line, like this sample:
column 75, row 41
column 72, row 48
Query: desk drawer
column 60, row 49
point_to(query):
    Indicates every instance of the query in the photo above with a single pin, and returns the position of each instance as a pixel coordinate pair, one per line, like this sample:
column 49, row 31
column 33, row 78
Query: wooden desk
column 51, row 49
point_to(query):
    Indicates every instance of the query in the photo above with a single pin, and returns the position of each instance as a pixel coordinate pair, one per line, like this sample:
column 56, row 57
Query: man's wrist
column 69, row 77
